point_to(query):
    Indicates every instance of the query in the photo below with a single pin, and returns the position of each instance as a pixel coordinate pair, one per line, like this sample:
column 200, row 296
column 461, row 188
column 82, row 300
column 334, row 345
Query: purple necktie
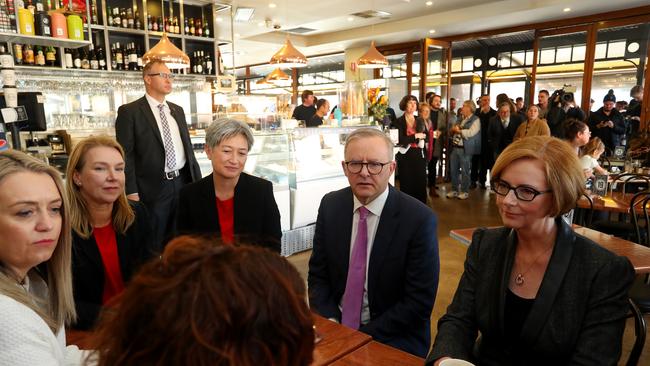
column 353, row 296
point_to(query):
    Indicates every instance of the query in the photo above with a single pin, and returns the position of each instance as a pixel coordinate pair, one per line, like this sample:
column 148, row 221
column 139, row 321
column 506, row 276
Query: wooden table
column 615, row 202
column 638, row 255
column 336, row 341
column 378, row 354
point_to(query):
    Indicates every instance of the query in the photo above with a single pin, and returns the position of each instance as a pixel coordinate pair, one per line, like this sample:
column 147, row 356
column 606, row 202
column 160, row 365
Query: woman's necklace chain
column 520, row 277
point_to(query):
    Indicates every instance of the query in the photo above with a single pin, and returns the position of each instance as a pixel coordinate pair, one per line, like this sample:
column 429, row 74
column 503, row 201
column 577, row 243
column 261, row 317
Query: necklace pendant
column 519, row 280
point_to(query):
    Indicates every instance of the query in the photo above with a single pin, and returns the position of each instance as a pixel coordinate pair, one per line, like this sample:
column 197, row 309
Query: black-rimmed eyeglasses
column 373, row 168
column 163, row 75
column 523, row 193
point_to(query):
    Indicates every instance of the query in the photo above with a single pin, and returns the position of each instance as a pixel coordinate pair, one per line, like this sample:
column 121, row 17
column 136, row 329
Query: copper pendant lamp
column 168, row 53
column 277, row 76
column 288, row 57
column 262, row 81
column 372, row 59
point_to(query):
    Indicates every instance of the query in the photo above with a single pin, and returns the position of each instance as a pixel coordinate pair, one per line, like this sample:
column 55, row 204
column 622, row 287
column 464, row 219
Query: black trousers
column 481, row 163
column 412, row 168
column 163, row 209
column 431, row 171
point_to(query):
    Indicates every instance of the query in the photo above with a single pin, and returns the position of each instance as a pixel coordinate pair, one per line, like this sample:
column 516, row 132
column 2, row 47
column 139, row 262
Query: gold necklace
column 520, row 277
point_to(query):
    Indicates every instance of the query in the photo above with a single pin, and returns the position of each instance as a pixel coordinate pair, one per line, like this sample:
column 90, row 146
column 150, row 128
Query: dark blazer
column 402, row 271
column 578, row 315
column 134, row 248
column 499, row 137
column 405, row 139
column 257, row 218
column 138, row 133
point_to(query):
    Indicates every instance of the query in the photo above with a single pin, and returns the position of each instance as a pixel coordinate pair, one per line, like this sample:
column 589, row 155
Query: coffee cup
column 455, row 362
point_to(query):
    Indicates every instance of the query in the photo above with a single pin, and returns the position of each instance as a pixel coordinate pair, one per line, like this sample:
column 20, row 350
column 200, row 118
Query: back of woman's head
column 573, row 127
column 595, row 144
column 206, row 304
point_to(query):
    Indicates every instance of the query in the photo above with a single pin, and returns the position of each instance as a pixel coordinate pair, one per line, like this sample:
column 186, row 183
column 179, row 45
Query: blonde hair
column 595, row 144
column 57, row 270
column 123, row 215
column 563, row 171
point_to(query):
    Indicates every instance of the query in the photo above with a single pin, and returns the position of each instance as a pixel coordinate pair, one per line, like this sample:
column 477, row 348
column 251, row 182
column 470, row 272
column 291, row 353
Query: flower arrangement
column 378, row 104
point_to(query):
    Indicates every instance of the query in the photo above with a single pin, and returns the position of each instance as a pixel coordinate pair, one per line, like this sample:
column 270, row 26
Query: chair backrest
column 633, row 182
column 639, row 212
column 584, row 216
column 639, row 332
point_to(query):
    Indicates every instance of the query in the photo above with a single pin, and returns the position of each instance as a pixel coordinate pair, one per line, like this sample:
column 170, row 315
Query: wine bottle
column 133, row 57
column 113, row 58
column 149, row 23
column 69, row 62
column 125, row 20
column 117, row 21
column 199, row 28
column 76, row 58
column 92, row 57
column 191, row 27
column 177, row 28
column 119, row 57
column 206, row 29
column 109, row 12
column 85, row 62
column 187, row 27
column 208, row 64
column 129, row 18
column 155, row 24
column 139, row 59
column 138, row 23
column 94, row 16
column 101, row 58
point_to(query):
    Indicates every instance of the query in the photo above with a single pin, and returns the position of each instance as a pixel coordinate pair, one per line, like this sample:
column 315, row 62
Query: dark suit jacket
column 578, row 315
column 138, row 133
column 405, row 139
column 257, row 218
column 402, row 271
column 498, row 137
column 134, row 248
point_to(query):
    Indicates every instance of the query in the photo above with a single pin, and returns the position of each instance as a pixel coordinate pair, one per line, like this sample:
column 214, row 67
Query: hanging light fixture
column 372, row 59
column 288, row 56
column 168, row 53
column 262, row 81
column 277, row 77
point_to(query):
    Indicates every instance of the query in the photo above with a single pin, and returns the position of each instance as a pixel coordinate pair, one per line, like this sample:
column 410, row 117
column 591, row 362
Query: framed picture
column 600, row 185
column 619, row 152
column 225, row 84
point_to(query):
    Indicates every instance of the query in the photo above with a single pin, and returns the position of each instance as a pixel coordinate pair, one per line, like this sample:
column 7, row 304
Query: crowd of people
column 166, row 267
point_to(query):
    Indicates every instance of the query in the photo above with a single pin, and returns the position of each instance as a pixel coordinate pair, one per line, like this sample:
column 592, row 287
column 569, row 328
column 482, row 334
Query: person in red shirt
column 111, row 236
column 233, row 205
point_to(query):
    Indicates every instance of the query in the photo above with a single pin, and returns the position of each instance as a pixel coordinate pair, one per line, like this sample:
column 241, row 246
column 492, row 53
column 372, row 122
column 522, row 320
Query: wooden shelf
column 200, row 39
column 41, row 40
column 126, row 30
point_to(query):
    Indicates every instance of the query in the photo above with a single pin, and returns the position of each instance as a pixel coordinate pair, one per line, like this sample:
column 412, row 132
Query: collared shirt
column 372, row 221
column 179, row 152
column 505, row 122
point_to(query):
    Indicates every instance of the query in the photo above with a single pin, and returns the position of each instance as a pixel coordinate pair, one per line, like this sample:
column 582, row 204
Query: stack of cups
column 9, row 88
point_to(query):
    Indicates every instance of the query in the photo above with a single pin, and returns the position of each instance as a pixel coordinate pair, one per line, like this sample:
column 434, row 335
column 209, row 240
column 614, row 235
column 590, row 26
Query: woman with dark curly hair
column 411, row 161
column 207, row 304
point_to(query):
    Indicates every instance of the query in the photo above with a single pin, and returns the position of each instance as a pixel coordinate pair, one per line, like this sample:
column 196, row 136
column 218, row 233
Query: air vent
column 300, row 30
column 372, row 14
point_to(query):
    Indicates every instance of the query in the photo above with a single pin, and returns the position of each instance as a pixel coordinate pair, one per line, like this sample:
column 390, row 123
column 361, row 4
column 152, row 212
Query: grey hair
column 362, row 133
column 225, row 128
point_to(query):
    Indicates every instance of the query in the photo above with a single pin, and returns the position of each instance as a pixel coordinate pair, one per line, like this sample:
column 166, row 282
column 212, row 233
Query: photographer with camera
column 607, row 123
column 562, row 106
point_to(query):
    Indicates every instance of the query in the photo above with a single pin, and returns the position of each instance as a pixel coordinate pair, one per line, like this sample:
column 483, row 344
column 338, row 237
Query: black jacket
column 609, row 135
column 138, row 133
column 578, row 316
column 499, row 137
column 405, row 139
column 256, row 215
column 134, row 248
column 556, row 119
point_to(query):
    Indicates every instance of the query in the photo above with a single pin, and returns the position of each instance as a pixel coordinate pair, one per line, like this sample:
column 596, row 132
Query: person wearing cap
column 607, row 123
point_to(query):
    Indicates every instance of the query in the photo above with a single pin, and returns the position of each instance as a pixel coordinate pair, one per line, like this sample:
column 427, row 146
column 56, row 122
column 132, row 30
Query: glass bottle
column 28, row 55
column 18, row 54
column 50, row 56
column 69, row 62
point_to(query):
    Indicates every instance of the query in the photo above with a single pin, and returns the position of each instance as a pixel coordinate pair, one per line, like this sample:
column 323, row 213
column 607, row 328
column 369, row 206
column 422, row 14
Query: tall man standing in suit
column 159, row 154
column 374, row 266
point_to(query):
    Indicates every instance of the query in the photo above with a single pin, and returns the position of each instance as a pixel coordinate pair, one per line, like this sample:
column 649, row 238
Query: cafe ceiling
column 331, row 26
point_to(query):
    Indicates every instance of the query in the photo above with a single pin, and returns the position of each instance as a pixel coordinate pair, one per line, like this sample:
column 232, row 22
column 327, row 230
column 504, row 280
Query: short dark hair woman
column 411, row 160
column 209, row 304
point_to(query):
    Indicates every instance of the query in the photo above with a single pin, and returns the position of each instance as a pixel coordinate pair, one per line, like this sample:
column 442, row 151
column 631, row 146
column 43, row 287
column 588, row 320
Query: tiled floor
column 478, row 210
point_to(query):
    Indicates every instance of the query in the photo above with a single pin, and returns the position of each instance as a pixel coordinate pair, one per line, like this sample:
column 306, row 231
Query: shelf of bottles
column 120, row 33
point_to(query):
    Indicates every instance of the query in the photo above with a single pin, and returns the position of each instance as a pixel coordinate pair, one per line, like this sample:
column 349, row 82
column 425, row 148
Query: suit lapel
column 145, row 108
column 388, row 223
column 343, row 233
column 208, row 210
column 548, row 290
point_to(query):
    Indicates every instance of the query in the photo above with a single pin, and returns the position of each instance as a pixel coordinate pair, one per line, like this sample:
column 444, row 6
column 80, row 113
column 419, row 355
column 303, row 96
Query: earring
column 78, row 183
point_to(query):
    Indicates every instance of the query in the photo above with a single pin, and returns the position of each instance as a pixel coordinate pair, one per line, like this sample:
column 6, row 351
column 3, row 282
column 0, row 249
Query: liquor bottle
column 92, row 57
column 50, row 56
column 18, row 54
column 30, row 6
column 133, row 57
column 155, row 24
column 191, row 27
column 125, row 20
column 117, row 21
column 113, row 58
column 125, row 58
column 187, row 27
column 177, row 28
column 208, row 64
column 85, row 61
column 119, row 57
column 39, row 5
column 166, row 24
column 69, row 62
column 199, row 62
column 109, row 12
column 206, row 29
column 129, row 18
column 94, row 16
column 76, row 58
column 101, row 58
column 149, row 23
column 28, row 55
column 138, row 23
column 139, row 60
column 199, row 28
column 39, row 56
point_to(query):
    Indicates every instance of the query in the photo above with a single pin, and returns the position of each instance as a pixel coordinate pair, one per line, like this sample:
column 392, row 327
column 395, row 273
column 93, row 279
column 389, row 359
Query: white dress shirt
column 372, row 221
column 179, row 152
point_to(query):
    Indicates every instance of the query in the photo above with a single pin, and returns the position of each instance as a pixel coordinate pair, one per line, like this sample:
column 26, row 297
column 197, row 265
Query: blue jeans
column 461, row 164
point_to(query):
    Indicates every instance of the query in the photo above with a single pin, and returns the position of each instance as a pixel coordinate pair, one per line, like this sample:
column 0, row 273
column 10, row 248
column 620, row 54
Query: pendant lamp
column 168, row 53
column 277, row 76
column 262, row 81
column 288, row 57
column 372, row 59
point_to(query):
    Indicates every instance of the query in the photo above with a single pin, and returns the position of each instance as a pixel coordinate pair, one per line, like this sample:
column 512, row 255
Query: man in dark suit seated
column 374, row 266
column 159, row 154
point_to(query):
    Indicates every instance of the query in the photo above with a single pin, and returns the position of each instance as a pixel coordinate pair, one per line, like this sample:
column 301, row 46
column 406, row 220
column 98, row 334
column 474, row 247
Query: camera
column 564, row 95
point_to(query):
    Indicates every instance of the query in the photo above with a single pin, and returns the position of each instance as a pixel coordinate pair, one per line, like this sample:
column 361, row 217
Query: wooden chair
column 640, row 330
column 584, row 216
column 641, row 219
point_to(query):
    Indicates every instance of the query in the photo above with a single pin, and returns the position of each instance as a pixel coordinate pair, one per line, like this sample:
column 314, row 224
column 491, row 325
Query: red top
column 227, row 220
column 107, row 245
column 410, row 131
